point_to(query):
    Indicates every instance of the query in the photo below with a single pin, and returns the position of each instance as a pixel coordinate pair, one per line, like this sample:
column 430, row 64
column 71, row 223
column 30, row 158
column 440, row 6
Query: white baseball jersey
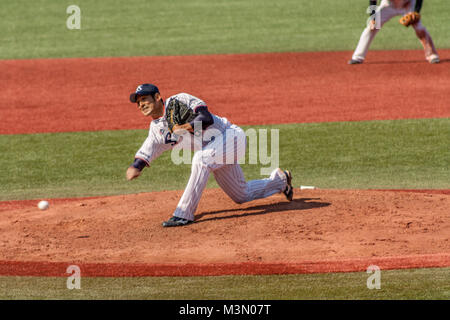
column 229, row 140
column 160, row 139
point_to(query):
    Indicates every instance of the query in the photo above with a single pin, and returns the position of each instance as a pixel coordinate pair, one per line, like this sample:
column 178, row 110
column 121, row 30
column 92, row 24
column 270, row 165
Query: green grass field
column 372, row 154
column 394, row 284
column 410, row 154
column 37, row 29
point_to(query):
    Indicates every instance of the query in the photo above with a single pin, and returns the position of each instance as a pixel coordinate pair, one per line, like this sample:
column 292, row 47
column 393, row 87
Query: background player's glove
column 178, row 113
column 410, row 18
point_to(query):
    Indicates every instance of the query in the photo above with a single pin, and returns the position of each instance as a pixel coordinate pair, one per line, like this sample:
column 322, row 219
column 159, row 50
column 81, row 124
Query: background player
column 386, row 11
column 229, row 176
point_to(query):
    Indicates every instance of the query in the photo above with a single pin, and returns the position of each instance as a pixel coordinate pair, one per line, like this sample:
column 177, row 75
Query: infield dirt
column 249, row 89
column 320, row 231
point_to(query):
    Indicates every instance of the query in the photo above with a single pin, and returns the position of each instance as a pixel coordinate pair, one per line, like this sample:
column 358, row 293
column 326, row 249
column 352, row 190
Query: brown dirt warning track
column 320, row 231
column 53, row 95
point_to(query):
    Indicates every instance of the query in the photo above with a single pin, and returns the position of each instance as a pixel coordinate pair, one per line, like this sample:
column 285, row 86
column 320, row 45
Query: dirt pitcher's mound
column 332, row 225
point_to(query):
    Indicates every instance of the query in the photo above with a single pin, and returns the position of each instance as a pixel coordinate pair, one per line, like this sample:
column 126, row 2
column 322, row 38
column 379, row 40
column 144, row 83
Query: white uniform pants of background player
column 229, row 176
column 387, row 11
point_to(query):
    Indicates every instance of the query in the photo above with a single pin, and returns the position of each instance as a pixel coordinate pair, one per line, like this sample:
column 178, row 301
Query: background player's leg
column 231, row 179
column 427, row 43
column 386, row 12
column 364, row 43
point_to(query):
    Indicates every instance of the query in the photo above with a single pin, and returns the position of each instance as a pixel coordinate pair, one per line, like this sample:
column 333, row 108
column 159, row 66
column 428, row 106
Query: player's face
column 149, row 106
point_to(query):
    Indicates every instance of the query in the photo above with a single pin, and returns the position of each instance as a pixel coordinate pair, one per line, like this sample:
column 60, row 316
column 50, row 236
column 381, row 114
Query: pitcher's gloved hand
column 177, row 113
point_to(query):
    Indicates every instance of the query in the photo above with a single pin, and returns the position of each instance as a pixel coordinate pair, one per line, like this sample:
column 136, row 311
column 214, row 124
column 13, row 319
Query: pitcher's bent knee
column 239, row 199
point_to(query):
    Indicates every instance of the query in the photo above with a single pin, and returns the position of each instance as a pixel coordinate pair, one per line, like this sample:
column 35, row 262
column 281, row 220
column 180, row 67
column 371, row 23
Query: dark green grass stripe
column 410, row 154
column 394, row 284
column 37, row 29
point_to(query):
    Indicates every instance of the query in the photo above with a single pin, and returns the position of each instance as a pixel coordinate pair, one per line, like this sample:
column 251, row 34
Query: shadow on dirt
column 296, row 204
column 403, row 61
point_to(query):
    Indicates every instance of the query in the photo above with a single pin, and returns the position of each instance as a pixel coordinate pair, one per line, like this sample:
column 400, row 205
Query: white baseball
column 43, row 205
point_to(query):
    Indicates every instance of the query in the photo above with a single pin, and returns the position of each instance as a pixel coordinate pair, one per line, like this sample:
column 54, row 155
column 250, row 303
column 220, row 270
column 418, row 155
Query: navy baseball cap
column 143, row 90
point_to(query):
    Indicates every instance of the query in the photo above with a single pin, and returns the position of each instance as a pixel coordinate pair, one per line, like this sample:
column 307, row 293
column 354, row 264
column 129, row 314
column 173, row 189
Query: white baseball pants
column 215, row 157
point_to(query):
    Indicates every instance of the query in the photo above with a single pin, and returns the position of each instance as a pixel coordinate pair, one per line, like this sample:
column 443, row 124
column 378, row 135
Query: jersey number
column 168, row 139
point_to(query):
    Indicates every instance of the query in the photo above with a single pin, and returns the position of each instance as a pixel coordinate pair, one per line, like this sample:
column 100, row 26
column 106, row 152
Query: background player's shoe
column 354, row 61
column 175, row 222
column 435, row 60
column 289, row 191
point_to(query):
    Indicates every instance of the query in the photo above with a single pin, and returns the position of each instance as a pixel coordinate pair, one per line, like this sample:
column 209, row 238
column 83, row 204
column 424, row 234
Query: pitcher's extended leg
column 231, row 179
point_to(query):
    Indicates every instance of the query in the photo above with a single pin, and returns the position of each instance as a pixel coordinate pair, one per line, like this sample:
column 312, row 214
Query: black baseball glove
column 179, row 113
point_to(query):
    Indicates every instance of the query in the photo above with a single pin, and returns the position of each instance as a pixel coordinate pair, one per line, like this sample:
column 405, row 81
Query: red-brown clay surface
column 320, row 231
column 52, row 95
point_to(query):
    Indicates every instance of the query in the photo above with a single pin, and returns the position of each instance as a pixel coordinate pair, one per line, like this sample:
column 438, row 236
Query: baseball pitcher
column 184, row 114
column 410, row 12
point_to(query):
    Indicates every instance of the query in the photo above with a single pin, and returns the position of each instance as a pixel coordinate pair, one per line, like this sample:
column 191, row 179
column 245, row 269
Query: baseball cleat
column 435, row 60
column 289, row 191
column 354, row 61
column 176, row 222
